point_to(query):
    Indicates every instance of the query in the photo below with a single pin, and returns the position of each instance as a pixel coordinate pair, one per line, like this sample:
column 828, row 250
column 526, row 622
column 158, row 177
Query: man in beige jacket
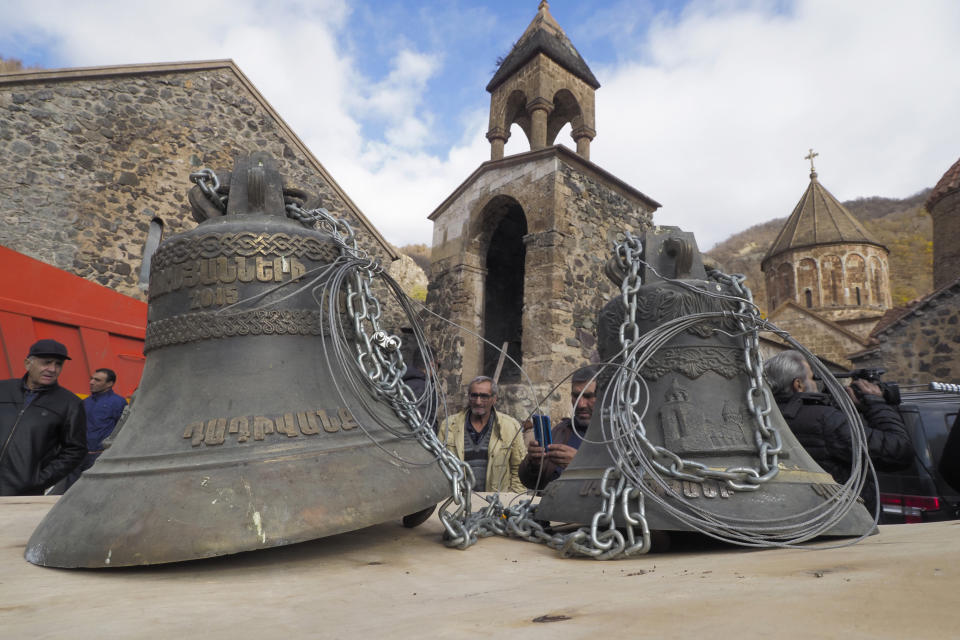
column 487, row 440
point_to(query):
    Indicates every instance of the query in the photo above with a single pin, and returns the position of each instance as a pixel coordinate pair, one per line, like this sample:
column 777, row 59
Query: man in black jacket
column 823, row 429
column 43, row 429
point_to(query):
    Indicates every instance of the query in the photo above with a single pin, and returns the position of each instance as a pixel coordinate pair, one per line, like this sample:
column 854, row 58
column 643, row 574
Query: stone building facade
column 920, row 343
column 95, row 163
column 825, row 263
column 519, row 247
column 944, row 207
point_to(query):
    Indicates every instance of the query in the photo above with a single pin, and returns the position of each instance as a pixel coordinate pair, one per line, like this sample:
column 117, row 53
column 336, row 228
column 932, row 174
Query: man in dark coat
column 544, row 465
column 43, row 429
column 823, row 429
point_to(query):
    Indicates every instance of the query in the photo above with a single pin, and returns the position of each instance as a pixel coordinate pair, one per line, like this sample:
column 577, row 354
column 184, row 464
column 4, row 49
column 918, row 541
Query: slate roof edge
column 527, row 156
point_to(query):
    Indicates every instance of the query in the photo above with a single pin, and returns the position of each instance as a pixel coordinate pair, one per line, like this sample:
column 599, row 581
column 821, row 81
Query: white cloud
column 715, row 121
column 709, row 113
column 396, row 101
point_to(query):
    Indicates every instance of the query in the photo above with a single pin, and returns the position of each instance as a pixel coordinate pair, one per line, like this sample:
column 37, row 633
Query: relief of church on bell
column 689, row 430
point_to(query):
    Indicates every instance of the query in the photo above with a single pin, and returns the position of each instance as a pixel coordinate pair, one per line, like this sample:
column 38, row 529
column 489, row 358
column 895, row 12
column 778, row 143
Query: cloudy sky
column 708, row 107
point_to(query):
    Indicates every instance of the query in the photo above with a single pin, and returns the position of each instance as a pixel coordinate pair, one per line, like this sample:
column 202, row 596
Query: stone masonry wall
column 86, row 162
column 946, row 246
column 816, row 336
column 924, row 346
column 596, row 216
column 574, row 218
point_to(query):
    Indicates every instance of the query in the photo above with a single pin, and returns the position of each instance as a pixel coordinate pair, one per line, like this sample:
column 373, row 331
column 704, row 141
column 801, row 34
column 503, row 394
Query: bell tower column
column 498, row 139
column 539, row 109
column 583, row 136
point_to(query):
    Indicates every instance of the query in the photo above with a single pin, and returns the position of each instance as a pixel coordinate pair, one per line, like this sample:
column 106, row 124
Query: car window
column 936, row 426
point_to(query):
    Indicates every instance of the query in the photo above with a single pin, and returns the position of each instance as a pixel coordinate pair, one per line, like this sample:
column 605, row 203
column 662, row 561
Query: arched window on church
column 832, row 280
column 808, row 280
column 856, row 275
column 503, row 291
column 783, row 285
column 154, row 236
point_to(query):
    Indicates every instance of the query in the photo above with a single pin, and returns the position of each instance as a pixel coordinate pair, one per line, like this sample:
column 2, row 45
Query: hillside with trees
column 9, row 65
column 902, row 225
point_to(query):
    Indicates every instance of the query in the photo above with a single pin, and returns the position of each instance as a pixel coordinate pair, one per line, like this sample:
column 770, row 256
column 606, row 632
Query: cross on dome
column 810, row 156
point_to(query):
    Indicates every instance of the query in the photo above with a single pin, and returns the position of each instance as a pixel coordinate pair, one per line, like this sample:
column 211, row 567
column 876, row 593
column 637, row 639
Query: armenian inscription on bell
column 705, row 489
column 215, row 431
column 225, row 271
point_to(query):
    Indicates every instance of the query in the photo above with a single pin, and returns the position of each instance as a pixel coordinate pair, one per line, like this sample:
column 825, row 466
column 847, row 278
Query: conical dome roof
column 949, row 183
column 543, row 35
column 818, row 218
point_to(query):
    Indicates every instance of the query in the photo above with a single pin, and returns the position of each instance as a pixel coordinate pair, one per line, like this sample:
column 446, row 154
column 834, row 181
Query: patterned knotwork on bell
column 246, row 431
column 697, row 386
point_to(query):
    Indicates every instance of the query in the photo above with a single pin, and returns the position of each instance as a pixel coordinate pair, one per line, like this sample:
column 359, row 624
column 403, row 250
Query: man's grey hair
column 782, row 369
column 493, row 385
column 584, row 375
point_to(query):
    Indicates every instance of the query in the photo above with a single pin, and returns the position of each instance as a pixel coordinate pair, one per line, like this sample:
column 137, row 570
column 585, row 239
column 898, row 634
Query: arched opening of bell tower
column 503, row 287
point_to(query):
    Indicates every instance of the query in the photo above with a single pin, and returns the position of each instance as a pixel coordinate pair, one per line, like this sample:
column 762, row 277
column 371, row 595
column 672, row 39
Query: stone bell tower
column 542, row 85
column 519, row 246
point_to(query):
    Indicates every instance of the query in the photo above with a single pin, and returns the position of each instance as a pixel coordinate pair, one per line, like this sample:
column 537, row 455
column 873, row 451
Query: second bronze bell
column 697, row 386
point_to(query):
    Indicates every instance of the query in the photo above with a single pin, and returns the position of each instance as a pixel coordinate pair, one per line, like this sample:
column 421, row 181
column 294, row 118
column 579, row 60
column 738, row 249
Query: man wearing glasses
column 489, row 441
column 543, row 465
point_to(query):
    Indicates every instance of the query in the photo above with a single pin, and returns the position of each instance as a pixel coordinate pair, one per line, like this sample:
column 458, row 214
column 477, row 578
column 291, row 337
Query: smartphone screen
column 541, row 429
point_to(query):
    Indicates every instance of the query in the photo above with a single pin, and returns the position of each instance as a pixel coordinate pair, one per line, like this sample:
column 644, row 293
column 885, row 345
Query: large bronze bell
column 244, row 433
column 697, row 386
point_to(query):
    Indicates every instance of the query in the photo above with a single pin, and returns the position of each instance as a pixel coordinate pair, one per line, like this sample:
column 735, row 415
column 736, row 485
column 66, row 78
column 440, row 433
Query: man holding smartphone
column 544, row 464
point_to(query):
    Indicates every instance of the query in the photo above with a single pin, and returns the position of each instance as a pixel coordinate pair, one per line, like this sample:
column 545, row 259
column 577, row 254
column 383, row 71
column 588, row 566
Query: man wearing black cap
column 43, row 429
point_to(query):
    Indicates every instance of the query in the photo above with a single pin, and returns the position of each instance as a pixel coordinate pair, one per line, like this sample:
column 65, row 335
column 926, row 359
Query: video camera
column 891, row 391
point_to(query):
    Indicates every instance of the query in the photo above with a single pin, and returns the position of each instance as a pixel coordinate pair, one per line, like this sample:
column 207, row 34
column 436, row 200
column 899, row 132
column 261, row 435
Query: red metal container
column 100, row 327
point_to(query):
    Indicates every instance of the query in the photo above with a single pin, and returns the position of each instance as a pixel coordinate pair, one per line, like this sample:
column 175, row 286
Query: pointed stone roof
column 819, row 218
column 545, row 36
column 949, row 183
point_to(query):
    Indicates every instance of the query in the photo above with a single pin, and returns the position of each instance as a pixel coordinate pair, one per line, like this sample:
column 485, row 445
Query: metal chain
column 379, row 358
column 208, row 182
column 758, row 395
column 636, row 352
column 623, row 483
column 614, row 485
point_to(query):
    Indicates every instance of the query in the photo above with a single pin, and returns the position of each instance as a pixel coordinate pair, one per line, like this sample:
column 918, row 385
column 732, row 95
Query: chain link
column 209, row 183
column 379, row 357
column 603, row 540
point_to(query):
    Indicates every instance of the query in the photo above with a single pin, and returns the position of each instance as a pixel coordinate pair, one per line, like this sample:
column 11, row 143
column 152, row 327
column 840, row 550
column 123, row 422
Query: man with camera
column 823, row 429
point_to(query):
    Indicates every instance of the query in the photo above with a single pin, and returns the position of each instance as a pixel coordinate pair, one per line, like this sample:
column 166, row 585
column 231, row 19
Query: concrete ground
column 388, row 581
